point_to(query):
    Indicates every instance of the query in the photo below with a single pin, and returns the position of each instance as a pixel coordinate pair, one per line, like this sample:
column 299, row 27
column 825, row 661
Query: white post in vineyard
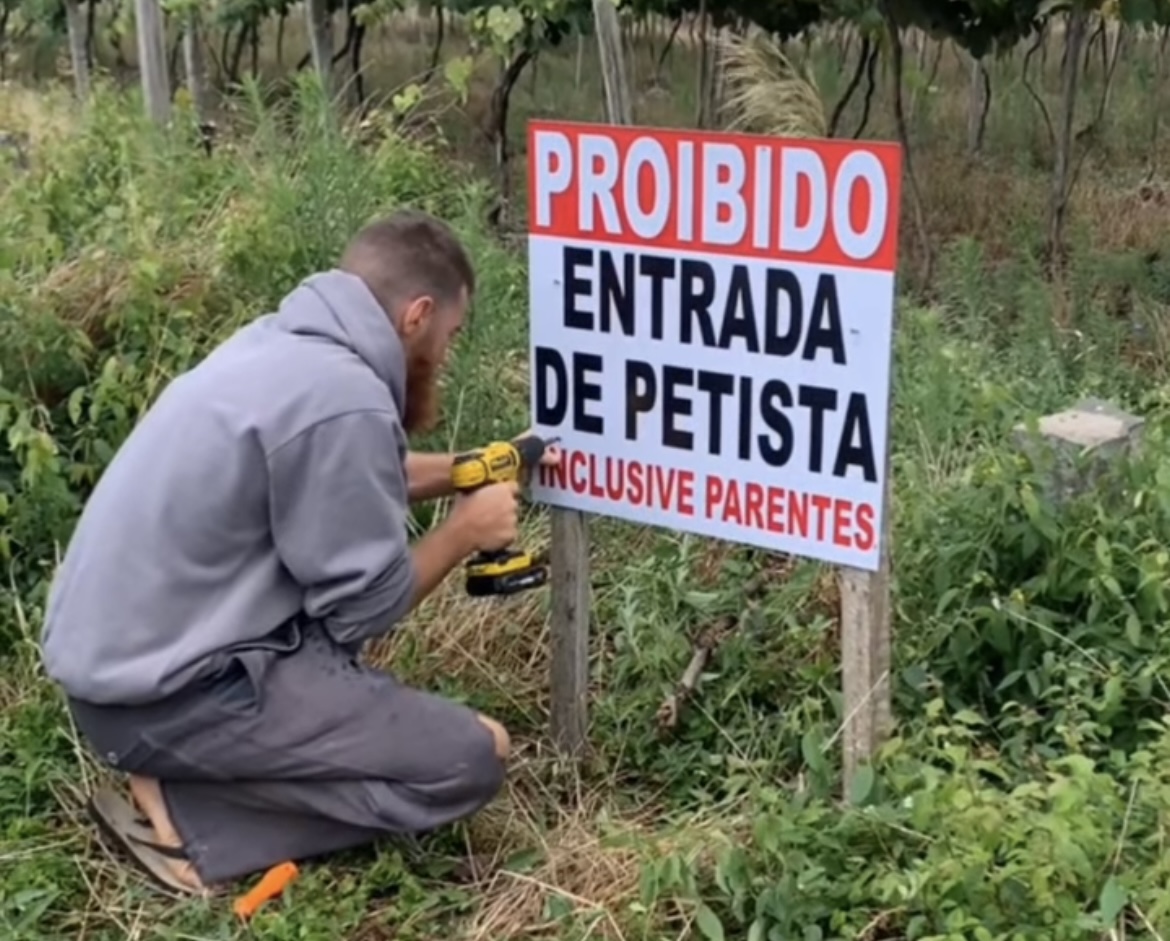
column 152, row 60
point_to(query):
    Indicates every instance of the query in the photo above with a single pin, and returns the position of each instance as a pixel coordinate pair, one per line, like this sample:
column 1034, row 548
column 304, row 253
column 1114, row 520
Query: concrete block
column 1076, row 447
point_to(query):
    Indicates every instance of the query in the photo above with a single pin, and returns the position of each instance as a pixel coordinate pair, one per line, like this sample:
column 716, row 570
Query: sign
column 711, row 331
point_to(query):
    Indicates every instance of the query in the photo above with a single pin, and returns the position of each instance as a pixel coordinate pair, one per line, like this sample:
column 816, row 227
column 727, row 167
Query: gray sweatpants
column 294, row 753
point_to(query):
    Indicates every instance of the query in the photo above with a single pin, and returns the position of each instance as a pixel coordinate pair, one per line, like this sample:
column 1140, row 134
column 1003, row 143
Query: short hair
column 407, row 254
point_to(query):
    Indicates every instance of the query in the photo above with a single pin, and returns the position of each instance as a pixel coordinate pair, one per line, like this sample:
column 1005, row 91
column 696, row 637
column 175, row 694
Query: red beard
column 422, row 393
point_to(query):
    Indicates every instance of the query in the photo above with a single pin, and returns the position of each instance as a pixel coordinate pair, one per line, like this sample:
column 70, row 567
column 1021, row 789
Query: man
column 246, row 539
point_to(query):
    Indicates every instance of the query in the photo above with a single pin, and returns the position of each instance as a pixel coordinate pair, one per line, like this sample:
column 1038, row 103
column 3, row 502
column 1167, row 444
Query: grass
column 1024, row 792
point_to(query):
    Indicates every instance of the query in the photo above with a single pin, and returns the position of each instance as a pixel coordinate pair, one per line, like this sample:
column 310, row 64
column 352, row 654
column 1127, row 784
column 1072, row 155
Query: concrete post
column 1076, row 447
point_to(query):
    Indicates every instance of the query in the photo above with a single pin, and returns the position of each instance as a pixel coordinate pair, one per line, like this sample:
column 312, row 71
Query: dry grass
column 766, row 92
column 595, row 876
column 43, row 114
column 590, row 862
column 496, row 645
column 88, row 290
column 1126, row 217
column 498, row 648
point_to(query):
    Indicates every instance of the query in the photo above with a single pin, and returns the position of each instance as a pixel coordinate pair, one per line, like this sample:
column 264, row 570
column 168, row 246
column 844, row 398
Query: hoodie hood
column 339, row 307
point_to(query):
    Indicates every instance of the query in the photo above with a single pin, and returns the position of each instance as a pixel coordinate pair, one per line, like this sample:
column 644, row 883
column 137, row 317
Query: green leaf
column 458, row 72
column 648, row 885
column 810, row 749
column 1133, row 629
column 408, row 98
column 700, row 599
column 757, row 931
column 1103, row 552
column 523, row 861
column 557, row 908
column 1112, row 900
column 708, row 923
column 76, row 399
column 861, row 784
column 1030, row 504
column 1113, row 692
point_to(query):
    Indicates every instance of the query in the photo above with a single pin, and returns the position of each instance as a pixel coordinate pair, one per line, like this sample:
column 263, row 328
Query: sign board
column 711, row 331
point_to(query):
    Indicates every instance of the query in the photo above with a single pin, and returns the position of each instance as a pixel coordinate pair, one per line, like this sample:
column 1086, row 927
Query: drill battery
column 508, row 572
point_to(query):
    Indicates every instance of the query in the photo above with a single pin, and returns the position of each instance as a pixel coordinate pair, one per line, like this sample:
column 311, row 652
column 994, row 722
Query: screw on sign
column 712, row 330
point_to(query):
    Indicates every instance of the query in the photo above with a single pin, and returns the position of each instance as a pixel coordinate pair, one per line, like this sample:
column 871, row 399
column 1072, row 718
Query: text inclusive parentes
column 778, row 510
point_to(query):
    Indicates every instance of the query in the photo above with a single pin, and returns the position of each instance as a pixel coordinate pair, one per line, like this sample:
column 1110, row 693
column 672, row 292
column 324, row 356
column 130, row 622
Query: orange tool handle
column 271, row 884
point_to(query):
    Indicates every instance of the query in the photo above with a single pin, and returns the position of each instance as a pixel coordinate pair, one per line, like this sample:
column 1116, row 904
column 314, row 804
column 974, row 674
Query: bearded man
column 247, row 538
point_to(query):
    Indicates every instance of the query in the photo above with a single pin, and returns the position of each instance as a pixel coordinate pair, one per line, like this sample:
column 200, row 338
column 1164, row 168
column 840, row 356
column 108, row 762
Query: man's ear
column 417, row 316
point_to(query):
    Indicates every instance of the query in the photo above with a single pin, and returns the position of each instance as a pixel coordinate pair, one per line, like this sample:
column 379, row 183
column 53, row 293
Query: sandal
column 120, row 822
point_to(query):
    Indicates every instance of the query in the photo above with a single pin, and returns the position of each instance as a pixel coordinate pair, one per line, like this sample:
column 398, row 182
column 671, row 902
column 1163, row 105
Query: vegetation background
column 168, row 172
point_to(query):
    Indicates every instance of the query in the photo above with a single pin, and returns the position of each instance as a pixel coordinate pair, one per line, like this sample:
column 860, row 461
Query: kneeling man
column 246, row 539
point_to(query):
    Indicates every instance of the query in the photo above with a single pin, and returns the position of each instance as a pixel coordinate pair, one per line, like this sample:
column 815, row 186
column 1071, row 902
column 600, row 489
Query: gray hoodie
column 267, row 481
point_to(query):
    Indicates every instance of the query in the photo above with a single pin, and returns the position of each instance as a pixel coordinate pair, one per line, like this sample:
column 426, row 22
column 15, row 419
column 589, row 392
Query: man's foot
column 149, row 798
column 126, row 826
column 499, row 736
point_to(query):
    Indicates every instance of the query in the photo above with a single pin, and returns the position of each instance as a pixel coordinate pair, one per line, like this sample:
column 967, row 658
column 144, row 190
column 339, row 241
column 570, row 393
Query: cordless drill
column 506, row 571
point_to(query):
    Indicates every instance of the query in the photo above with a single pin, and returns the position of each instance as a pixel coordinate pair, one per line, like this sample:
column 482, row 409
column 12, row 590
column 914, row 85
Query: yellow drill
column 507, row 571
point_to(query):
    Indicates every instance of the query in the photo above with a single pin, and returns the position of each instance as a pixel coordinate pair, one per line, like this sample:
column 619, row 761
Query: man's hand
column 428, row 476
column 488, row 518
column 483, row 520
column 552, row 454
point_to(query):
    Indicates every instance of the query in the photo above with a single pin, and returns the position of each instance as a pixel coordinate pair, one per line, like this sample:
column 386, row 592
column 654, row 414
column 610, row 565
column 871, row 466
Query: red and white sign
column 711, row 331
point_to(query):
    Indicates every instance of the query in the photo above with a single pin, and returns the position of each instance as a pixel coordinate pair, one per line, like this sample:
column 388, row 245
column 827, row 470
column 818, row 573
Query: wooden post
column 320, row 26
column 866, row 628
column 569, row 654
column 78, row 32
column 193, row 63
column 613, row 67
column 569, row 674
column 152, row 60
column 865, row 656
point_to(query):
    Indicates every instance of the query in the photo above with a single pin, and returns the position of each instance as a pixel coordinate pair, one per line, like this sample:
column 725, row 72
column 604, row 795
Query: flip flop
column 123, row 825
